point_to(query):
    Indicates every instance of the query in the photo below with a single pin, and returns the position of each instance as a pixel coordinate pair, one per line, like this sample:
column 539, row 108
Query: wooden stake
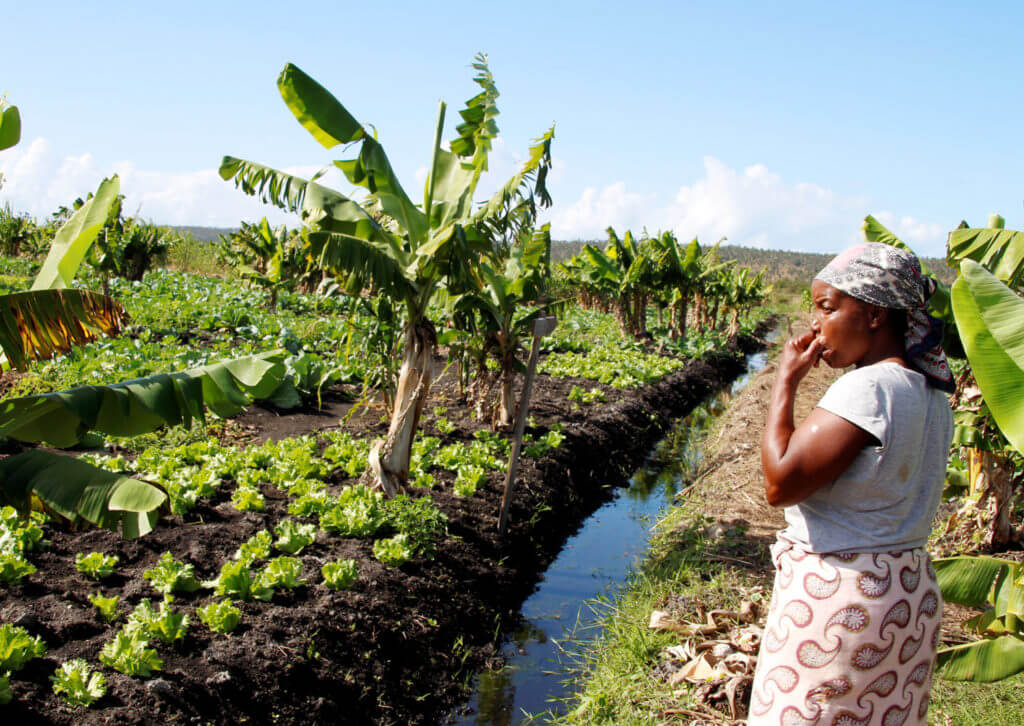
column 541, row 327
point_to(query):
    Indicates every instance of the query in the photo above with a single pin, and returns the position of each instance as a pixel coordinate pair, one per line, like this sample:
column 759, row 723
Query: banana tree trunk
column 992, row 477
column 681, row 312
column 622, row 314
column 389, row 457
column 734, row 323
column 506, row 406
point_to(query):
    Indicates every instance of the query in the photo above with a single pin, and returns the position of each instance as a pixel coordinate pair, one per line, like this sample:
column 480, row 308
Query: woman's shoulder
column 886, row 374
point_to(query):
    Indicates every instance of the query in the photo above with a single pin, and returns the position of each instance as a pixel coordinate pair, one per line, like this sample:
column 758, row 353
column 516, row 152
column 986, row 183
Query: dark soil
column 403, row 644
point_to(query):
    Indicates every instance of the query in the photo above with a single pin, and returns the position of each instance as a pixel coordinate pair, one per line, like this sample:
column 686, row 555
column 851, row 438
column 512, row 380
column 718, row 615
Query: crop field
column 277, row 579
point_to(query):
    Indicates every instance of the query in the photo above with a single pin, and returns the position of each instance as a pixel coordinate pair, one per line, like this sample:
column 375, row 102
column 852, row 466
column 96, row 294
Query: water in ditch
column 593, row 564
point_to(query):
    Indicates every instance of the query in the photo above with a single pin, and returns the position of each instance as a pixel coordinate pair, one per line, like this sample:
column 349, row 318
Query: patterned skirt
column 850, row 639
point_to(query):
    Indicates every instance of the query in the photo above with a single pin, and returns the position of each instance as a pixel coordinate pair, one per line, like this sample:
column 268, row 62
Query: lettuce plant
column 106, row 605
column 315, row 502
column 220, row 617
column 169, row 575
column 248, row 499
column 393, row 551
column 18, row 536
column 17, row 648
column 340, row 575
column 255, row 548
column 293, row 537
column 5, row 689
column 282, row 572
column 79, row 687
column 96, row 564
column 360, row 512
column 165, row 624
column 129, row 653
column 237, row 580
column 13, row 567
column 469, row 478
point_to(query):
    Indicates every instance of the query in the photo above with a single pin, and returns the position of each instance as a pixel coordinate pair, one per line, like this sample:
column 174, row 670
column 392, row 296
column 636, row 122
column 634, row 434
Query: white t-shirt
column 887, row 499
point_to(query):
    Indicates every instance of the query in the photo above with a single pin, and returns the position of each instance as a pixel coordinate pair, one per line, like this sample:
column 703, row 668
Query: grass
column 620, row 687
column 959, row 703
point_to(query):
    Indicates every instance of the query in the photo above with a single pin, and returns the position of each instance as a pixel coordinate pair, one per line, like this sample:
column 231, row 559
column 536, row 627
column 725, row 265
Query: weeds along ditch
column 538, row 660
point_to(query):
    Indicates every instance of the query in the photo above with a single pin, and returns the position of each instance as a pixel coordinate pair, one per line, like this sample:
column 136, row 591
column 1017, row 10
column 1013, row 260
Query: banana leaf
column 75, row 236
column 138, row 406
column 983, row 661
column 970, row 581
column 990, row 317
column 41, row 323
column 1000, row 251
column 939, row 304
column 78, row 491
column 10, row 127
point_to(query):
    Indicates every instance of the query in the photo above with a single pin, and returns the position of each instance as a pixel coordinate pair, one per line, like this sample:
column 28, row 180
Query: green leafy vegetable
column 96, row 564
column 420, row 520
column 79, row 687
column 237, row 580
column 469, row 478
column 169, row 575
column 17, row 648
column 248, row 499
column 293, row 537
column 165, row 624
column 359, row 512
column 340, row 575
column 393, row 551
column 13, row 567
column 255, row 548
column 282, row 572
column 106, row 605
column 129, row 653
column 220, row 617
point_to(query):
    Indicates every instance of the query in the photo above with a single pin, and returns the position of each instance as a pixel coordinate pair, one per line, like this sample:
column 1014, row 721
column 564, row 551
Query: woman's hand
column 799, row 354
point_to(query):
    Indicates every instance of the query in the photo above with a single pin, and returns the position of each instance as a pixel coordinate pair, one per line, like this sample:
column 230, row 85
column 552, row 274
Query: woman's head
column 871, row 292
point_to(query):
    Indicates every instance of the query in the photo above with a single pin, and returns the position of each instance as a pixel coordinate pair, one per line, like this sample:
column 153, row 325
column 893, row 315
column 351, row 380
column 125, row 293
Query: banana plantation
column 314, row 481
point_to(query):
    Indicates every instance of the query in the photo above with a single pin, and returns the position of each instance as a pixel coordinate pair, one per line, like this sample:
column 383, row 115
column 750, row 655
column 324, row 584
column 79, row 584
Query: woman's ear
column 878, row 317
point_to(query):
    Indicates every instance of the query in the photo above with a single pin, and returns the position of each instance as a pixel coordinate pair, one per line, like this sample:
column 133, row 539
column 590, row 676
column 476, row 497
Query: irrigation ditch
column 404, row 644
column 540, row 657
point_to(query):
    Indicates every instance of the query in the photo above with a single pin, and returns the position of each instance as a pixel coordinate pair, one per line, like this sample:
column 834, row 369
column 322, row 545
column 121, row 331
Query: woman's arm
column 797, row 461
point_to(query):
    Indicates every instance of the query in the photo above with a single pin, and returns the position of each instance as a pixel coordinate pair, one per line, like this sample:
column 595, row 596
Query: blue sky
column 777, row 125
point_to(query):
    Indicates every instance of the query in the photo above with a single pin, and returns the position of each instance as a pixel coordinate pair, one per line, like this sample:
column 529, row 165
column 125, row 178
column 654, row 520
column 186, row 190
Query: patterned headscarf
column 890, row 277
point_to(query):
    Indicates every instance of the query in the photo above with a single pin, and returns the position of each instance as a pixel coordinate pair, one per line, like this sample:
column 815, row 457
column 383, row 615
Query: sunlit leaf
column 75, row 236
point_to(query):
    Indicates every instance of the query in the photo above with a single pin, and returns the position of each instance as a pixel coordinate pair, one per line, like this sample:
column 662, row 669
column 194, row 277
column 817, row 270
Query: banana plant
column 501, row 308
column 389, row 244
column 996, row 586
column 743, row 289
column 272, row 258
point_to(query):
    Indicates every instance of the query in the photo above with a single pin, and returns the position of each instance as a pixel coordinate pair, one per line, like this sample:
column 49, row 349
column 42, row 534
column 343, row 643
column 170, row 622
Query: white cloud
column 595, row 210
column 37, row 180
column 752, row 207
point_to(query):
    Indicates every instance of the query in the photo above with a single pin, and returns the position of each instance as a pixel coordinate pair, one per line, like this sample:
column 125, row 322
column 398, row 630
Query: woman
column 856, row 611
